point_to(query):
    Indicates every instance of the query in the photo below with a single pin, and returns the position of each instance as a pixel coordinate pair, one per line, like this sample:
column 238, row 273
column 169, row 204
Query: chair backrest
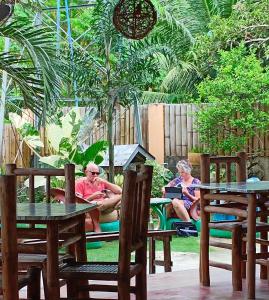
column 9, row 237
column 135, row 207
column 227, row 163
column 68, row 172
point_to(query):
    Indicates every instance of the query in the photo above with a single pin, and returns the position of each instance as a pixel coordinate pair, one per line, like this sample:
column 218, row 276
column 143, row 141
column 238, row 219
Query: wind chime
column 6, row 10
column 134, row 18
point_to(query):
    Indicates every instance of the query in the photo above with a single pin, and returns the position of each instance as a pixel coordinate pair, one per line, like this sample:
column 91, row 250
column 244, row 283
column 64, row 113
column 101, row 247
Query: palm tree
column 115, row 69
column 180, row 22
column 35, row 72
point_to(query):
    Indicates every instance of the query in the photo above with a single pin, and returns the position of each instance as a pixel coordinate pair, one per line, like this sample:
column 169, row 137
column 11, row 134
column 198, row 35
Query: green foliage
column 119, row 179
column 248, row 24
column 35, row 71
column 23, row 194
column 235, row 100
column 161, row 176
column 197, row 150
column 65, row 138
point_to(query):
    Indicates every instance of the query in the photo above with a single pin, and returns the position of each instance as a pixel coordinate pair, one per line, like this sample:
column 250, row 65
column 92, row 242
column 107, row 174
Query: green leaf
column 52, row 160
column 93, row 151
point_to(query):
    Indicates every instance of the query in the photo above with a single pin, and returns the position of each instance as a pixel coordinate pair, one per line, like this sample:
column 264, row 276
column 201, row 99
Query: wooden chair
column 234, row 227
column 10, row 281
column 238, row 228
column 132, row 238
column 39, row 260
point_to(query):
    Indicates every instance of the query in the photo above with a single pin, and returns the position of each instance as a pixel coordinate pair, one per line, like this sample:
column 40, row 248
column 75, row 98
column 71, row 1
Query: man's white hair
column 91, row 164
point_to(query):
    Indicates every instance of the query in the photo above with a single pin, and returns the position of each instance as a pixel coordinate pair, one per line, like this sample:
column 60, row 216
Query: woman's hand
column 185, row 191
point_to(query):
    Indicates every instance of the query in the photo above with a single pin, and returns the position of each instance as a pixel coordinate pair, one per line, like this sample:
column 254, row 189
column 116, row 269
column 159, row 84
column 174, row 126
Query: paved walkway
column 189, row 261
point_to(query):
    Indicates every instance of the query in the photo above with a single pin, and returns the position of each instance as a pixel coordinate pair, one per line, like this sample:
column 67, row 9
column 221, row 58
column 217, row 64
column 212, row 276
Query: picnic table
column 158, row 206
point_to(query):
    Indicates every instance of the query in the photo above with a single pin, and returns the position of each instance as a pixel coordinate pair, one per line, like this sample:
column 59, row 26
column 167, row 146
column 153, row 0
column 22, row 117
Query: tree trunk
column 110, row 139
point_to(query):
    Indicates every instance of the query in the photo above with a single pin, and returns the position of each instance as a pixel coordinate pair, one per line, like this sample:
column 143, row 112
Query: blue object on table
column 253, row 179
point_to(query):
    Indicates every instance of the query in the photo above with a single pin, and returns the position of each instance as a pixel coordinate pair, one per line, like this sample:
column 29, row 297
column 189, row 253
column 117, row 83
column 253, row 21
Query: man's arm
column 110, row 186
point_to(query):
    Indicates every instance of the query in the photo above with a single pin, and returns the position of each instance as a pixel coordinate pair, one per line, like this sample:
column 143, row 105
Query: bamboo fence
column 180, row 134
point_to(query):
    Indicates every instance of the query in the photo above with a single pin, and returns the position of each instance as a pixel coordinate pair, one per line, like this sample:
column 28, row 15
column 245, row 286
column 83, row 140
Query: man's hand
column 96, row 195
column 98, row 180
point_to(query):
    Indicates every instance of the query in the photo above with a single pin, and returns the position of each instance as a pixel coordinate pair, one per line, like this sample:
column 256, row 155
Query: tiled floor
column 184, row 285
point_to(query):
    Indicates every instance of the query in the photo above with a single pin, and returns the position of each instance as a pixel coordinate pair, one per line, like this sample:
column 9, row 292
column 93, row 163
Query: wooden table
column 158, row 206
column 250, row 190
column 65, row 222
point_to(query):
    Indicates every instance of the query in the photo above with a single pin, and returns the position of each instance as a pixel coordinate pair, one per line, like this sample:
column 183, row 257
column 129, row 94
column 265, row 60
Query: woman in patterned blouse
column 180, row 207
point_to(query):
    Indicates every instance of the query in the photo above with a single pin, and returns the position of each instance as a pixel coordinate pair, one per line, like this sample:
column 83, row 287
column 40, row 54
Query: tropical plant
column 35, row 71
column 119, row 179
column 115, row 68
column 66, row 140
column 236, row 97
column 179, row 23
column 161, row 176
column 248, row 24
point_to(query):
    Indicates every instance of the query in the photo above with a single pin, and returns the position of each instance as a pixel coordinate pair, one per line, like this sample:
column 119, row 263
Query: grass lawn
column 109, row 250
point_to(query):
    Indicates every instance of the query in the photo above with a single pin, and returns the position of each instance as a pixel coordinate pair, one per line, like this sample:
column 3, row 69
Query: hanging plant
column 134, row 18
column 6, row 10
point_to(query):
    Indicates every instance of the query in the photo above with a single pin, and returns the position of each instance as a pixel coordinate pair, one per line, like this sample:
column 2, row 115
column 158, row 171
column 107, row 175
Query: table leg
column 251, row 245
column 204, row 243
column 164, row 216
column 81, row 252
column 80, row 246
column 53, row 286
column 159, row 212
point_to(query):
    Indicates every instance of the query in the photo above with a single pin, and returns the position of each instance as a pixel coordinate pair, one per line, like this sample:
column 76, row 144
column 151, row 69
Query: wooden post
column 69, row 170
column 241, row 167
column 205, row 168
column 156, row 131
column 9, row 237
column 204, row 242
column 10, row 169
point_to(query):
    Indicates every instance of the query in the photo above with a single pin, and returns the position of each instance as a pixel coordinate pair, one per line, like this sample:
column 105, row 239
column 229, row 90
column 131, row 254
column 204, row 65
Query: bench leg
column 167, row 254
column 152, row 248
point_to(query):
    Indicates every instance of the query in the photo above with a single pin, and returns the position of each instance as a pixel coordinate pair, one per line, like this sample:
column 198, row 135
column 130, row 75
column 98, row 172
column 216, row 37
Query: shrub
column 161, row 176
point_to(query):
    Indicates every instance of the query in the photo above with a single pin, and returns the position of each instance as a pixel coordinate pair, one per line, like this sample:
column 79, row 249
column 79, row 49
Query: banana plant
column 66, row 140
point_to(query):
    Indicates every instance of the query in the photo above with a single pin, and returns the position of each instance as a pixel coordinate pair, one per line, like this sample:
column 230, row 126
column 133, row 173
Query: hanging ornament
column 134, row 18
column 6, row 10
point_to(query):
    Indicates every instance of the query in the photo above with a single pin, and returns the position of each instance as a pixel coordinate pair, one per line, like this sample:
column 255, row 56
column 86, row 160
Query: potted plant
column 194, row 155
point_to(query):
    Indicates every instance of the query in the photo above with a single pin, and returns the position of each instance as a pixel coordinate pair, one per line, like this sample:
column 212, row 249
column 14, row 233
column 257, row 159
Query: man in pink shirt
column 94, row 188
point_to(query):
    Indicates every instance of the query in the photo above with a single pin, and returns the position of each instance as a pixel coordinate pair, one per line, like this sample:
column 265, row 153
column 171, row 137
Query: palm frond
column 40, row 54
column 155, row 97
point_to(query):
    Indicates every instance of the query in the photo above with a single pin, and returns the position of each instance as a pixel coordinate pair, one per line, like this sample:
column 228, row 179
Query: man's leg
column 108, row 208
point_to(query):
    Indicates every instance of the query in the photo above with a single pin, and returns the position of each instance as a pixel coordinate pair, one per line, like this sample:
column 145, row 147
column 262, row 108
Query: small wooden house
column 127, row 157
